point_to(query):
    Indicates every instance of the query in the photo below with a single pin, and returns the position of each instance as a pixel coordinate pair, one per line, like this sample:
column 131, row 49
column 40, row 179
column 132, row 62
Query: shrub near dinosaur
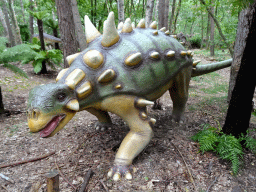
column 120, row 72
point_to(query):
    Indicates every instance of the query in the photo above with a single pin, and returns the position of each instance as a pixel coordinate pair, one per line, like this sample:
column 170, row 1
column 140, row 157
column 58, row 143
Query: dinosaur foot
column 178, row 119
column 99, row 126
column 118, row 171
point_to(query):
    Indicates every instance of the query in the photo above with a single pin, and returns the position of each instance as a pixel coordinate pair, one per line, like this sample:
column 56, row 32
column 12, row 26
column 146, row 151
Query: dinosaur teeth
column 133, row 59
column 91, row 32
column 84, row 90
column 153, row 25
column 141, row 24
column 110, row 34
column 155, row 55
column 106, row 76
column 71, row 58
column 170, row 53
column 93, row 59
column 61, row 74
column 127, row 28
column 74, row 78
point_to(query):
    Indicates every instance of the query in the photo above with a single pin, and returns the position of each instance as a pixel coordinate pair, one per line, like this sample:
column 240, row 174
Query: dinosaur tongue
column 50, row 127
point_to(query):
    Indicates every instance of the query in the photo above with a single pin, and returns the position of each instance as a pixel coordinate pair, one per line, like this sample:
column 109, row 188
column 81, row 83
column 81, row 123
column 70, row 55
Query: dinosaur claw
column 119, row 171
column 128, row 176
column 110, row 173
column 117, row 176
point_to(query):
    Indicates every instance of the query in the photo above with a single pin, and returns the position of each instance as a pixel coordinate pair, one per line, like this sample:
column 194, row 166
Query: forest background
column 187, row 16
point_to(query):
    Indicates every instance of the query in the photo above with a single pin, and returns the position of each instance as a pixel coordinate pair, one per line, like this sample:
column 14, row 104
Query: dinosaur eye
column 61, row 96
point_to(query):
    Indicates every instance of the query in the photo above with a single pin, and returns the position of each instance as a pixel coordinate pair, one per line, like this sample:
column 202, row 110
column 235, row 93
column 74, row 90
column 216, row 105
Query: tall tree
column 22, row 10
column 31, row 20
column 78, row 26
column 218, row 27
column 149, row 12
column 240, row 105
column 7, row 21
column 14, row 22
column 67, row 28
column 3, row 23
column 176, row 17
column 166, row 13
column 212, row 33
column 172, row 15
column 1, row 102
column 120, row 5
column 161, row 13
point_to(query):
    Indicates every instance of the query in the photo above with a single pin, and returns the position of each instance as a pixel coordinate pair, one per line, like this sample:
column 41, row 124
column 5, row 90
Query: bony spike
column 73, row 105
column 163, row 29
column 196, row 62
column 71, row 58
column 153, row 121
column 153, row 25
column 91, row 32
column 110, row 35
column 127, row 28
column 141, row 24
column 120, row 25
column 144, row 103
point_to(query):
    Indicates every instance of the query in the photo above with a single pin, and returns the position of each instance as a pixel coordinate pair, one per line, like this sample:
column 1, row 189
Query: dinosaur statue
column 121, row 71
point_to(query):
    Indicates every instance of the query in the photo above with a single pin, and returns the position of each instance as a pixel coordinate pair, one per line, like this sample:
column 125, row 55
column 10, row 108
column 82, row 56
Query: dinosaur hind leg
column 133, row 111
column 179, row 94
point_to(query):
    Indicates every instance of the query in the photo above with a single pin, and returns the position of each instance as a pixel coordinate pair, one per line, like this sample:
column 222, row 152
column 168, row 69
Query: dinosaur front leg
column 104, row 120
column 133, row 111
column 179, row 94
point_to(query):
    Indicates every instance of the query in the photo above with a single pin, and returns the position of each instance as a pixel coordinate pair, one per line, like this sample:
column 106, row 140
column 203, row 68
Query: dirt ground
column 171, row 162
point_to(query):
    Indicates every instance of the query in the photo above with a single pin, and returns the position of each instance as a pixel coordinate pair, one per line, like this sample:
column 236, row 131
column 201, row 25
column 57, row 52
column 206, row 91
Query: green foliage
column 3, row 42
column 24, row 32
column 226, row 146
column 195, row 41
column 27, row 53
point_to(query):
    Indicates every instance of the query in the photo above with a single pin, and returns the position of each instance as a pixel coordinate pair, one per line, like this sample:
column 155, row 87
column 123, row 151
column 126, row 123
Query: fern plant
column 27, row 53
column 226, row 146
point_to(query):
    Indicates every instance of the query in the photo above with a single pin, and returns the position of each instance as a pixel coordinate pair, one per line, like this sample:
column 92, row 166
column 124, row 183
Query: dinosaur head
column 50, row 108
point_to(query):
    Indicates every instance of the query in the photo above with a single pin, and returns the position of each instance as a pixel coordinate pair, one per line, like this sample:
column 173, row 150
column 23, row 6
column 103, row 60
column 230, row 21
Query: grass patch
column 220, row 54
column 218, row 88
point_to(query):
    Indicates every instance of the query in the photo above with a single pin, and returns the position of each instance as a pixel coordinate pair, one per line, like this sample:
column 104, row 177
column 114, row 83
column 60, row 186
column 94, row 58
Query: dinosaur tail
column 204, row 69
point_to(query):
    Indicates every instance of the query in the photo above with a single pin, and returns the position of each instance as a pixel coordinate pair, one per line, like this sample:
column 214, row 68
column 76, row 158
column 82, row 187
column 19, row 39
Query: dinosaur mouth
column 51, row 126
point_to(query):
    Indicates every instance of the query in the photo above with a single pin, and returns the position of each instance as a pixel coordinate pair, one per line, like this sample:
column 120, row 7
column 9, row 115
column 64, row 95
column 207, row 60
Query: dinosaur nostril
column 33, row 114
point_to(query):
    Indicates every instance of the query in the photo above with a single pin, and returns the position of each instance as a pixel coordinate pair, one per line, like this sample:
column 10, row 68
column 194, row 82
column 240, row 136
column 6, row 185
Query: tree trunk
column 212, row 33
column 166, row 14
column 31, row 20
column 120, row 5
column 149, row 12
column 208, row 31
column 22, row 9
column 176, row 17
column 202, row 29
column 156, row 10
column 3, row 23
column 78, row 24
column 172, row 15
column 161, row 12
column 1, row 102
column 55, row 34
column 41, row 37
column 218, row 27
column 243, row 84
column 7, row 21
column 15, row 23
column 67, row 28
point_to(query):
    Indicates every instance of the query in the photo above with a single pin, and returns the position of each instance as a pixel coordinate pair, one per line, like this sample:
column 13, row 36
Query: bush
column 195, row 41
